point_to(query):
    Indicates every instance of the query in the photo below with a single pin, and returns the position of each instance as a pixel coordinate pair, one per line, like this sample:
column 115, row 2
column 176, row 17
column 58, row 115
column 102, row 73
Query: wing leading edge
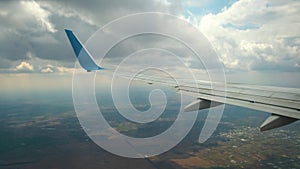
column 282, row 103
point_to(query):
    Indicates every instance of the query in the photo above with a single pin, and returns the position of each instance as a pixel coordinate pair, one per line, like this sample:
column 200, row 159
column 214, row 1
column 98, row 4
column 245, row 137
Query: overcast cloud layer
column 248, row 35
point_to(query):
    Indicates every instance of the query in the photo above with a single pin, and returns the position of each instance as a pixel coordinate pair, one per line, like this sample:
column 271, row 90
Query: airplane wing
column 282, row 103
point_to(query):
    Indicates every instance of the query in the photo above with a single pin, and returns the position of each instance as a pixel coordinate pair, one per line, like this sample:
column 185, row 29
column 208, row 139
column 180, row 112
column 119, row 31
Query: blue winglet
column 83, row 56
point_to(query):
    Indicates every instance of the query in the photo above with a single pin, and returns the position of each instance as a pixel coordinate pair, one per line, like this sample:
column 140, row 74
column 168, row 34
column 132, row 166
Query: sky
column 258, row 41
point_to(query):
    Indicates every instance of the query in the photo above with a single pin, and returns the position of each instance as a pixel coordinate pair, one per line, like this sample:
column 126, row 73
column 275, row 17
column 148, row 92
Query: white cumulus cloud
column 24, row 66
column 256, row 34
column 47, row 70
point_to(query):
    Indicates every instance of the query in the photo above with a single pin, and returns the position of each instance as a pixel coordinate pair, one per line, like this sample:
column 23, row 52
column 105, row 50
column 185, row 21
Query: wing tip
column 88, row 64
column 68, row 31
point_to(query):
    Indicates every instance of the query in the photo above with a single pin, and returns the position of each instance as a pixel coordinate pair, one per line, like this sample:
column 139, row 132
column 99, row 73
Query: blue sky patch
column 212, row 6
column 241, row 27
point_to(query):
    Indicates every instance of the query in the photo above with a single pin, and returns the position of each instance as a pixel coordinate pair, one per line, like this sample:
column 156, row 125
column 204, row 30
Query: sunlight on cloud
column 23, row 66
column 56, row 69
column 40, row 14
column 273, row 40
column 47, row 70
column 64, row 70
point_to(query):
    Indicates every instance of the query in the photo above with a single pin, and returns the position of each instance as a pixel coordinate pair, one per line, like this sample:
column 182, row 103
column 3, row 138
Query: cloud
column 34, row 65
column 248, row 35
column 101, row 12
column 41, row 15
column 38, row 26
column 56, row 69
column 256, row 34
column 64, row 70
column 47, row 70
column 24, row 66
